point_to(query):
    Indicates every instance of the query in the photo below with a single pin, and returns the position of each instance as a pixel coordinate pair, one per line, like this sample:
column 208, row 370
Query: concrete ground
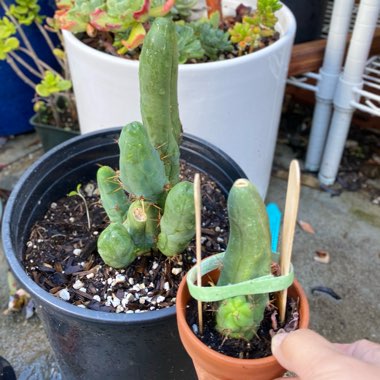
column 346, row 226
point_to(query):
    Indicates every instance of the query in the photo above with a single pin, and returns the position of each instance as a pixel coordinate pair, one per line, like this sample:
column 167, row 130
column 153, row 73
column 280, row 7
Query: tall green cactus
column 161, row 214
column 248, row 256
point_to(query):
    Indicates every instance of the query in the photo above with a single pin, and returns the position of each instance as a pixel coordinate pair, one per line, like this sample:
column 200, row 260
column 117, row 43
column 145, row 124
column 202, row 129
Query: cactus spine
column 248, row 256
column 161, row 214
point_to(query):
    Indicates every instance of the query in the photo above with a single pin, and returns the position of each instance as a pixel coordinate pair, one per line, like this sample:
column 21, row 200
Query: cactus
column 248, row 256
column 161, row 215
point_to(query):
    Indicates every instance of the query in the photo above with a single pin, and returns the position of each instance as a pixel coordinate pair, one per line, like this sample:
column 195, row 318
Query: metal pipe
column 346, row 93
column 329, row 75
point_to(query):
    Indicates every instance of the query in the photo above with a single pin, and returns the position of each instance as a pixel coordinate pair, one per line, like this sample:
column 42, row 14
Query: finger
column 311, row 356
column 306, row 353
column 362, row 350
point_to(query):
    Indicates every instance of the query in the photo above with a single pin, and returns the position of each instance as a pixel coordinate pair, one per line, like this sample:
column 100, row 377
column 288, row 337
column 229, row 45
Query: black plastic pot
column 90, row 344
column 309, row 17
column 50, row 135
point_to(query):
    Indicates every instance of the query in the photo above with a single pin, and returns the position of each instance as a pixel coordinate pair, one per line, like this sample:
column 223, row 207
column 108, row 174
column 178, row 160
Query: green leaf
column 52, row 84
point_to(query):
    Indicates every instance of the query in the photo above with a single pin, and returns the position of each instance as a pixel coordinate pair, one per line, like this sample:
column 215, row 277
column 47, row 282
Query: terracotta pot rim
column 268, row 360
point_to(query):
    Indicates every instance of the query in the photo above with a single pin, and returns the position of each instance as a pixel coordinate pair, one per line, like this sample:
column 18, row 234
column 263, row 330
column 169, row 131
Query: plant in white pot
column 233, row 103
column 55, row 117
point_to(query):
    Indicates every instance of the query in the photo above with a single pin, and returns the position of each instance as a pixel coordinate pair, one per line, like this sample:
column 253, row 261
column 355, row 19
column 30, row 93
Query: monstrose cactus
column 159, row 211
column 248, row 256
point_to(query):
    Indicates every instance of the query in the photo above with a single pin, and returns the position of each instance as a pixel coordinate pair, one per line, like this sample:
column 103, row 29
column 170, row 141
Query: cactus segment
column 116, row 246
column 114, row 200
column 141, row 170
column 248, row 256
column 142, row 225
column 178, row 222
column 158, row 85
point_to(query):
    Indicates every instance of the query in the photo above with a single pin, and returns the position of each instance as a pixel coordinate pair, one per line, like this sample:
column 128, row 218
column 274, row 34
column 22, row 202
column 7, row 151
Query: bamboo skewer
column 198, row 207
column 288, row 229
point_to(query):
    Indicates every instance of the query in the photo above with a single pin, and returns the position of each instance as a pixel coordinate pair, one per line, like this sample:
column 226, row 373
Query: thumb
column 306, row 353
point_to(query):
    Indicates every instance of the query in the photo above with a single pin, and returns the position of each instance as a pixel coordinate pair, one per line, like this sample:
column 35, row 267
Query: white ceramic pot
column 234, row 104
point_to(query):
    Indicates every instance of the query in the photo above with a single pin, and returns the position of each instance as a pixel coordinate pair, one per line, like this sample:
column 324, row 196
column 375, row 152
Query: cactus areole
column 158, row 212
column 245, row 280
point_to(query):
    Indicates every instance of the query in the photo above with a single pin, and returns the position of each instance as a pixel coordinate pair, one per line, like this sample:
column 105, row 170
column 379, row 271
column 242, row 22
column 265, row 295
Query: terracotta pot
column 211, row 365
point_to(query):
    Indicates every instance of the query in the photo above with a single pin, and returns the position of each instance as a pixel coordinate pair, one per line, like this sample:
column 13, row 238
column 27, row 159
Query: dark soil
column 61, row 255
column 259, row 346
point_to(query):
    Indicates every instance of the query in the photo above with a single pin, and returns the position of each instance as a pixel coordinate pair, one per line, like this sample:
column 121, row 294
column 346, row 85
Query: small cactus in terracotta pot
column 243, row 279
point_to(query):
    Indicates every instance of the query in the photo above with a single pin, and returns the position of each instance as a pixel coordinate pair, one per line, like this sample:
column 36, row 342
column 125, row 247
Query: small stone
column 109, row 281
column 95, row 233
column 160, row 299
column 166, row 286
column 53, row 206
column 115, row 302
column 89, row 189
column 142, row 300
column 90, row 275
column 129, row 311
column 155, row 265
column 71, row 220
column 84, row 290
column 203, row 239
column 176, row 271
column 82, row 306
column 142, row 286
column 77, row 251
column 119, row 309
column 195, row 328
column 118, row 280
column 136, row 287
column 29, row 244
column 131, row 281
column 96, row 298
column 217, row 229
column 64, row 294
column 220, row 240
column 130, row 297
column 152, row 308
column 78, row 284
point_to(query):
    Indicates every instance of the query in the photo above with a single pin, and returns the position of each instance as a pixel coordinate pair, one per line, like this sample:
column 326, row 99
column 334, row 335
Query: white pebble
column 71, row 220
column 131, row 281
column 29, row 244
column 90, row 275
column 118, row 280
column 119, row 309
column 160, row 299
column 176, row 271
column 82, row 306
column 217, row 229
column 130, row 297
column 136, row 287
column 84, row 290
column 109, row 281
column 155, row 265
column 77, row 251
column 129, row 311
column 115, row 302
column 64, row 294
column 95, row 233
column 195, row 328
column 142, row 285
column 220, row 240
column 166, row 286
column 96, row 298
column 142, row 300
column 53, row 205
column 203, row 239
column 78, row 284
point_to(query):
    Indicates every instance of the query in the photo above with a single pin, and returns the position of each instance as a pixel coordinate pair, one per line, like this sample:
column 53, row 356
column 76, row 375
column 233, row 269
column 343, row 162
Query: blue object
column 16, row 107
column 274, row 215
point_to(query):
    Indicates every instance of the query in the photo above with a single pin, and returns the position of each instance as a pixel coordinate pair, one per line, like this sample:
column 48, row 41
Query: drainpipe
column 349, row 89
column 328, row 79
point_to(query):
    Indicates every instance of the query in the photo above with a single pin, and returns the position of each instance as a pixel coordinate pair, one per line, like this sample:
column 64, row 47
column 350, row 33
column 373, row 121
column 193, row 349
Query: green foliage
column 8, row 43
column 249, row 33
column 248, row 256
column 202, row 38
column 52, row 84
column 161, row 215
column 26, row 11
column 182, row 8
column 116, row 16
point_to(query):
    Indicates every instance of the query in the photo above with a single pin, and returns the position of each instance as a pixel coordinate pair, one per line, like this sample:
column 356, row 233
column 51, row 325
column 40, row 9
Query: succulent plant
column 158, row 213
column 52, row 88
column 117, row 16
column 249, row 33
column 248, row 256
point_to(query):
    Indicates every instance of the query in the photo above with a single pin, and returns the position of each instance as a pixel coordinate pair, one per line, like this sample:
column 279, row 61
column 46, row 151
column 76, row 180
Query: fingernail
column 277, row 340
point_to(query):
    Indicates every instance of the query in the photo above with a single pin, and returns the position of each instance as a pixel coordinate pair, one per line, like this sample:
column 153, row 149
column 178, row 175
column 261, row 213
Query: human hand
column 312, row 357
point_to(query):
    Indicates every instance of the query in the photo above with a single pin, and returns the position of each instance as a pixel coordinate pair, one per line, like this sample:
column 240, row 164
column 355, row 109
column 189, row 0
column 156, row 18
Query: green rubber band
column 260, row 285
